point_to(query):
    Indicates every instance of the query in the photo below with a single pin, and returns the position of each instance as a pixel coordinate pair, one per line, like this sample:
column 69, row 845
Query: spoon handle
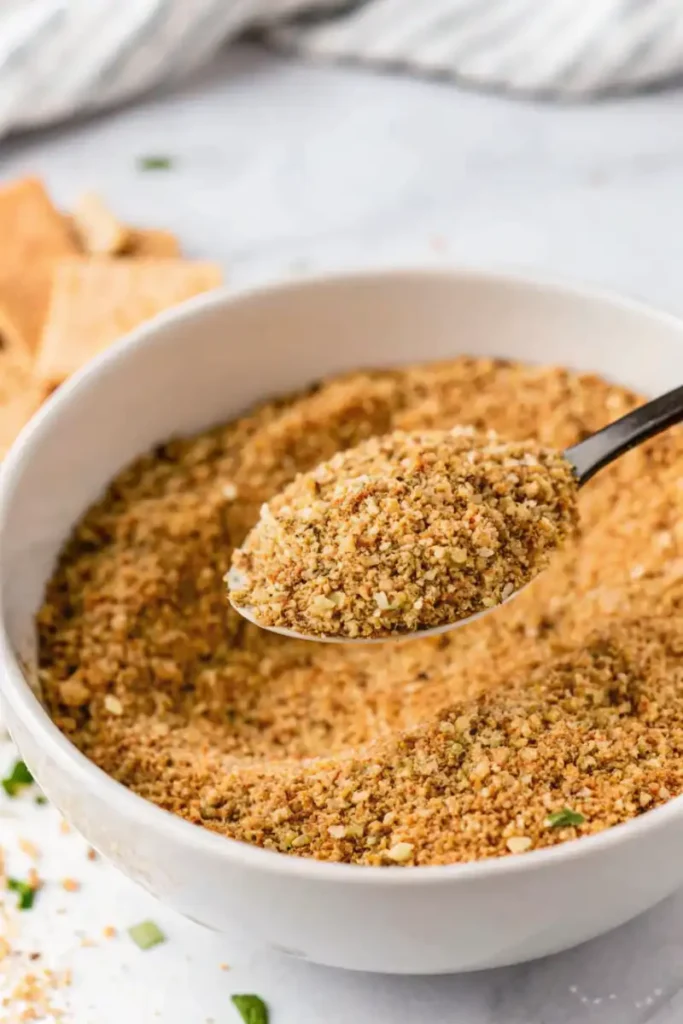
column 601, row 448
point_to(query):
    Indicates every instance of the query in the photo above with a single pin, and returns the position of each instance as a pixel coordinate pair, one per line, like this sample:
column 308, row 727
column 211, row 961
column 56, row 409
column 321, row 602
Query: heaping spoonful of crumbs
column 414, row 534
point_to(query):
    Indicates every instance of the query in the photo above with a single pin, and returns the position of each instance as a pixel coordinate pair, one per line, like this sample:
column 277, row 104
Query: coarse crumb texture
column 440, row 750
column 405, row 532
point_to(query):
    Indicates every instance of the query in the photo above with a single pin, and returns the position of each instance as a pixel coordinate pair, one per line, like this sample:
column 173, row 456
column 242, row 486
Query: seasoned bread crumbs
column 405, row 532
column 557, row 716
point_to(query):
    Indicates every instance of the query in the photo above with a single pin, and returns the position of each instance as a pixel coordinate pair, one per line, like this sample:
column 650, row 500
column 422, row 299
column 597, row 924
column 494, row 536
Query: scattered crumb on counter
column 29, row 848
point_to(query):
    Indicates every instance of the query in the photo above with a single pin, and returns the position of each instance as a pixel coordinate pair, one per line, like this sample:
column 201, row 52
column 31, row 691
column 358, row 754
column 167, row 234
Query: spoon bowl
column 236, row 581
column 587, row 458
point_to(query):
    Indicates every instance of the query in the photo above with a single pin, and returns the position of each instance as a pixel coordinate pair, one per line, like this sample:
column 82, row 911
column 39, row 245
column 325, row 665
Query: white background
column 278, row 170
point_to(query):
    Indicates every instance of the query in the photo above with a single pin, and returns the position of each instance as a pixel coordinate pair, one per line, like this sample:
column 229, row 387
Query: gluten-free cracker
column 152, row 243
column 100, row 232
column 19, row 395
column 140, row 243
column 96, row 301
column 34, row 237
column 11, row 337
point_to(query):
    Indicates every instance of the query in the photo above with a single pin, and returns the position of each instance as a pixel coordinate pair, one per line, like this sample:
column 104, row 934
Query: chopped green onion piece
column 252, row 1009
column 24, row 891
column 146, row 934
column 155, row 163
column 19, row 776
column 560, row 819
column 41, row 800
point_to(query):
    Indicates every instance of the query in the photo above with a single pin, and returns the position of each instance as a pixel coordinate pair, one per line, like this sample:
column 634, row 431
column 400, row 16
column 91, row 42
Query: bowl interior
column 205, row 363
column 214, row 357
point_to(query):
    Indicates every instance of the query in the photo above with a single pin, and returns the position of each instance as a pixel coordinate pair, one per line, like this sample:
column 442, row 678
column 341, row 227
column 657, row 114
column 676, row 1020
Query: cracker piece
column 146, row 243
column 10, row 335
column 20, row 395
column 96, row 301
column 100, row 232
column 141, row 243
column 34, row 237
column 70, row 225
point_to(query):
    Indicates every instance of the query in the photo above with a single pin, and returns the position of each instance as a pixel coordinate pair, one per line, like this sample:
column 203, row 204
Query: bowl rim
column 17, row 691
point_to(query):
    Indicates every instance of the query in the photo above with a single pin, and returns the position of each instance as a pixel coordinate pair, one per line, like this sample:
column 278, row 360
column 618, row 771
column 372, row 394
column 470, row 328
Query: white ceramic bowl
column 203, row 363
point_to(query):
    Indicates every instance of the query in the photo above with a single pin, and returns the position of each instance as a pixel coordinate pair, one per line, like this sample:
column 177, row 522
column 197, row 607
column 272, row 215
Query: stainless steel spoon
column 587, row 458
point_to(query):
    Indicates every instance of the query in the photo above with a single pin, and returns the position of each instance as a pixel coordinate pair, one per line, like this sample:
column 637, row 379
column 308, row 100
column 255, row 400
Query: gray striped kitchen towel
column 62, row 57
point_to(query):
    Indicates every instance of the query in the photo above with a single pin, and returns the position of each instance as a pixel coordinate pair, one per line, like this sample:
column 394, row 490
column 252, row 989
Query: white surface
column 277, row 166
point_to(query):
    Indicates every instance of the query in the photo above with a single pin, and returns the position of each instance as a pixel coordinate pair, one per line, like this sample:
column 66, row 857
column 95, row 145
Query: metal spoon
column 587, row 458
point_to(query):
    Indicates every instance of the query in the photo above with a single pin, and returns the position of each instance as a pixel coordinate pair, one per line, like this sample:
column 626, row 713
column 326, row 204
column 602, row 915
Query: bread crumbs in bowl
column 343, row 772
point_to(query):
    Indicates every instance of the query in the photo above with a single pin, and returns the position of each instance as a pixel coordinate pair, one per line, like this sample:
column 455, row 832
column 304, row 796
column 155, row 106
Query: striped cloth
column 62, row 57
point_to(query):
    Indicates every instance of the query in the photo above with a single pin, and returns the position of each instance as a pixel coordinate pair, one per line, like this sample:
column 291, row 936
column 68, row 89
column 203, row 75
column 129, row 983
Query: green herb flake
column 252, row 1009
column 155, row 163
column 146, row 934
column 24, row 891
column 19, row 777
column 41, row 800
column 563, row 818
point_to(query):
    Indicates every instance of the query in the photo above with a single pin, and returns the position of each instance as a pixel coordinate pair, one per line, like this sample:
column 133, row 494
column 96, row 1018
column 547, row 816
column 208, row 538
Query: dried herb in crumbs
column 563, row 818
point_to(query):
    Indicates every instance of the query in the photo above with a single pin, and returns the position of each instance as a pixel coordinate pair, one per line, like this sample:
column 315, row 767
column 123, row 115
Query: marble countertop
column 281, row 169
